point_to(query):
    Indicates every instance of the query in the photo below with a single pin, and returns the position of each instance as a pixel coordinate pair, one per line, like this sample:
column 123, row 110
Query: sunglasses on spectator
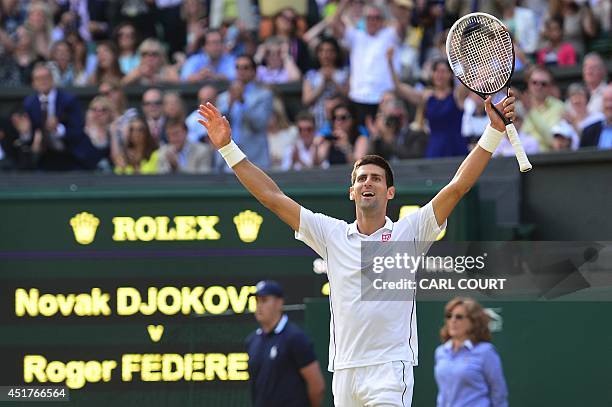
column 98, row 109
column 342, row 117
column 152, row 103
column 149, row 53
column 243, row 67
column 458, row 317
column 305, row 129
column 539, row 83
column 137, row 128
column 126, row 33
column 374, row 17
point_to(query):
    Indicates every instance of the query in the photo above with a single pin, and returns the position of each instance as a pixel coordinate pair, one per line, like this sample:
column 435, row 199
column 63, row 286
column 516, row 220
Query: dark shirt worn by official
column 275, row 360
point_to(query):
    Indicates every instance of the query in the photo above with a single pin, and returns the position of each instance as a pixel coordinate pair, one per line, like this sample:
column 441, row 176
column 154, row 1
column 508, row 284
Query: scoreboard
column 145, row 295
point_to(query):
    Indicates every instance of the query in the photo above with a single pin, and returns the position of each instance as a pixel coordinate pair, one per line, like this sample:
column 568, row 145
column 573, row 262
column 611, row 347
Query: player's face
column 370, row 190
column 458, row 323
column 268, row 309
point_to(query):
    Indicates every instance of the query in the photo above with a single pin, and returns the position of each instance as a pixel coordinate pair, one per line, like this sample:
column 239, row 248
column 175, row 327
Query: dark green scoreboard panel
column 143, row 296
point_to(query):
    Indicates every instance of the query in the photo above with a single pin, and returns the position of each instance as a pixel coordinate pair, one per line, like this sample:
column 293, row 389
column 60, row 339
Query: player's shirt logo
column 386, row 237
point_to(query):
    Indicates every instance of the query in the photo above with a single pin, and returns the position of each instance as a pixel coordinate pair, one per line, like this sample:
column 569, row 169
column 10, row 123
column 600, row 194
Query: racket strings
column 481, row 54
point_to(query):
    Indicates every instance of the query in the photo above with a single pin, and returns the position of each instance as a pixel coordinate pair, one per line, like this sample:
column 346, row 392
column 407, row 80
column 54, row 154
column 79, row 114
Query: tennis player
column 373, row 345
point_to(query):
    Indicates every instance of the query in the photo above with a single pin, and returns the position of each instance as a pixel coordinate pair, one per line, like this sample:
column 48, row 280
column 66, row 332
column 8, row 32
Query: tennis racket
column 481, row 55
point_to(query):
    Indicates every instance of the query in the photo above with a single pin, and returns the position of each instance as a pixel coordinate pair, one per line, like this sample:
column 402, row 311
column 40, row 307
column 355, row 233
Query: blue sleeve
column 302, row 350
column 258, row 113
column 494, row 376
column 193, row 64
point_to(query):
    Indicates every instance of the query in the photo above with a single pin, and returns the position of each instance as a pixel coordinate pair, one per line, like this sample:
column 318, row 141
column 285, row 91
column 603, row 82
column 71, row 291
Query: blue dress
column 444, row 118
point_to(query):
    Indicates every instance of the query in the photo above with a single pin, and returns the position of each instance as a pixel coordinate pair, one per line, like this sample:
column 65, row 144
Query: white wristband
column 490, row 139
column 231, row 154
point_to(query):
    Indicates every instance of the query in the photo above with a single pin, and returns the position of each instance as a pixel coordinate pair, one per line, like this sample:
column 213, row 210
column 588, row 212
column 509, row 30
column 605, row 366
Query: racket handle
column 523, row 161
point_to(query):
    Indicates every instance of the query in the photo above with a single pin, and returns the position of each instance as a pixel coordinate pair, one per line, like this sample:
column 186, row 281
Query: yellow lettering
column 130, row 363
column 163, row 233
column 185, row 227
column 237, row 366
column 172, row 367
column 26, row 302
column 150, row 307
column 47, row 305
column 99, row 302
column 238, row 302
column 207, row 228
column 198, row 364
column 83, row 305
column 216, row 364
column 124, row 229
column 145, row 228
column 210, row 305
column 33, row 367
column 151, row 367
column 128, row 300
column 191, row 300
column 162, row 300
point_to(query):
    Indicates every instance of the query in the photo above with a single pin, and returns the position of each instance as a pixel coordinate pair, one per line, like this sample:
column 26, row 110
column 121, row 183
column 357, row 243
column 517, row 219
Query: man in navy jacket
column 58, row 136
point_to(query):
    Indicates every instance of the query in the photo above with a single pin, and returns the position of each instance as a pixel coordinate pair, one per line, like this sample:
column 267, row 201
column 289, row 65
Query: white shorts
column 388, row 384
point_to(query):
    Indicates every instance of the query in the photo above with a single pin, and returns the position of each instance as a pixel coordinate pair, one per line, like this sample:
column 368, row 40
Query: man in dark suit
column 58, row 136
column 600, row 134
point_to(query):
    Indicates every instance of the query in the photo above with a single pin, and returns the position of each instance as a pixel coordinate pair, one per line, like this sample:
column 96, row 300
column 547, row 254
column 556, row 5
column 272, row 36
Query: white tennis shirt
column 364, row 333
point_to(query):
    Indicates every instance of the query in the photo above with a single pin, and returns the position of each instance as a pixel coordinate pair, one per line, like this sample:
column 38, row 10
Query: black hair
column 374, row 160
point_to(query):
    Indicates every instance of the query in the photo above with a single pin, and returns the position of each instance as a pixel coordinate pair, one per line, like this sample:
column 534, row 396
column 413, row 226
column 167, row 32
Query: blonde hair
column 106, row 102
column 280, row 114
column 151, row 43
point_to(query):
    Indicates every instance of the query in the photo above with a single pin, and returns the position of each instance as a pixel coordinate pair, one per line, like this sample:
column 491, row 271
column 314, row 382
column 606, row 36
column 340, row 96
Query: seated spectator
column 576, row 112
column 302, row 153
column 594, row 75
column 152, row 108
column 194, row 16
column 248, row 106
column 58, row 126
column 68, row 22
column 15, row 141
column 182, row 156
column 600, row 134
column 530, row 144
column 61, row 64
column 126, row 39
column 39, row 24
column 331, row 77
column 25, row 55
column 565, row 137
column 281, row 134
column 12, row 15
column 98, row 119
column 84, row 63
column 579, row 24
column 392, row 137
column 107, row 67
column 211, row 63
column 112, row 90
column 543, row 110
column 173, row 106
column 195, row 131
column 276, row 64
column 154, row 68
column 141, row 154
column 348, row 141
column 556, row 52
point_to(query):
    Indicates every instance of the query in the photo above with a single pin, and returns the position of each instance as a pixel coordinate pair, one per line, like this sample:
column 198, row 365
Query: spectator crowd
column 373, row 74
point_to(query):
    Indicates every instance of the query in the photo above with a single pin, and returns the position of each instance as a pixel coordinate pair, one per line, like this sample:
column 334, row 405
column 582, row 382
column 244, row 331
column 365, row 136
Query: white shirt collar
column 448, row 345
column 352, row 229
column 279, row 327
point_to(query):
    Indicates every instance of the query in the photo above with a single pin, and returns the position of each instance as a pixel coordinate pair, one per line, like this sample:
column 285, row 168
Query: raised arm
column 405, row 91
column 470, row 169
column 257, row 182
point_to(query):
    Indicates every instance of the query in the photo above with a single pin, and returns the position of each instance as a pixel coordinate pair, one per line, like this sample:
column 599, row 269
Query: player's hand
column 219, row 130
column 506, row 107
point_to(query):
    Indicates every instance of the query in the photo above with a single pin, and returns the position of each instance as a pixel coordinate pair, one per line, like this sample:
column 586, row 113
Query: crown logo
column 247, row 224
column 84, row 226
